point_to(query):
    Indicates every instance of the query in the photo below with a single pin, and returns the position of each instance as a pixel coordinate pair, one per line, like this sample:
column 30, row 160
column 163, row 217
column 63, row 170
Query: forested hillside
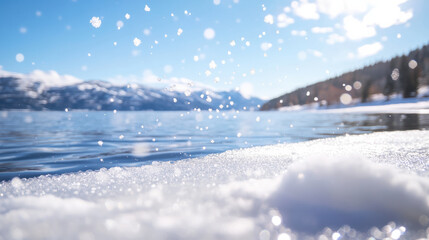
column 402, row 74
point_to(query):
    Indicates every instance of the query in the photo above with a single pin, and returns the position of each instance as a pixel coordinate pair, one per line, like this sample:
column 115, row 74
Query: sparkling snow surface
column 286, row 191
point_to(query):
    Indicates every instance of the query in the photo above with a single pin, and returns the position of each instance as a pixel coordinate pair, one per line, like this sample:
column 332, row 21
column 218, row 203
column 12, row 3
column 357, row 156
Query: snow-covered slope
column 50, row 92
column 373, row 185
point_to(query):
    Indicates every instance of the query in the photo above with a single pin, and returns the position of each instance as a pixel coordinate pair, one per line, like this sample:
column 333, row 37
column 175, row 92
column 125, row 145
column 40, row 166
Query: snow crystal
column 276, row 220
column 141, row 149
column 146, row 32
column 395, row 74
column 283, row 236
column 95, row 22
column 412, row 64
column 212, row 64
column 357, row 85
column 119, row 24
column 19, row 57
column 348, row 88
column 209, row 33
column 137, row 42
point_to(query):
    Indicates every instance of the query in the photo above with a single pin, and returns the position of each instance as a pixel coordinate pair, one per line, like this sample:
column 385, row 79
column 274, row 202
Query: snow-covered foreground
column 377, row 184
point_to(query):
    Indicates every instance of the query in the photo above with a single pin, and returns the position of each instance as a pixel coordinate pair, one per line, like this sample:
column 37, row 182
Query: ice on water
column 350, row 187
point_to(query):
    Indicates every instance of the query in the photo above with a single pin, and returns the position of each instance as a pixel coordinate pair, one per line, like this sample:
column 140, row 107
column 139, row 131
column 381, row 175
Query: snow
column 396, row 104
column 209, row 33
column 95, row 22
column 405, row 106
column 19, row 57
column 377, row 184
column 137, row 42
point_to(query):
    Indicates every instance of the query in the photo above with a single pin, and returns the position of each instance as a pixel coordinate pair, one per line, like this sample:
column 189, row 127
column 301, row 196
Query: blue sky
column 279, row 45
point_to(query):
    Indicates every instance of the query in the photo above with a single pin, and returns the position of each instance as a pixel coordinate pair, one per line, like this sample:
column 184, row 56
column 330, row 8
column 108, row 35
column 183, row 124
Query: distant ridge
column 400, row 75
column 21, row 93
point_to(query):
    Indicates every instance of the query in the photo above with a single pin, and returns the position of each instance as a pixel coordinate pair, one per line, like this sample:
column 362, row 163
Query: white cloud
column 356, row 30
column 360, row 17
column 321, row 30
column 302, row 55
column 301, row 33
column 305, row 10
column 316, row 53
column 334, row 8
column 387, row 16
column 283, row 20
column 265, row 46
column 49, row 78
column 369, row 49
column 335, row 38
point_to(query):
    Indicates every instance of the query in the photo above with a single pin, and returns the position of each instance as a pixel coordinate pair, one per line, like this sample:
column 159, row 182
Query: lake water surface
column 39, row 143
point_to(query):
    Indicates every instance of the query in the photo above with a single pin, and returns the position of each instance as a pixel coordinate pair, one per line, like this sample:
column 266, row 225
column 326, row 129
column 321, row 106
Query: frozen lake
column 39, row 143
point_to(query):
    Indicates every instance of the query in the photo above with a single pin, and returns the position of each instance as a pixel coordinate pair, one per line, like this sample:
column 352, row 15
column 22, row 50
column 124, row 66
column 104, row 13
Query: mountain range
column 19, row 92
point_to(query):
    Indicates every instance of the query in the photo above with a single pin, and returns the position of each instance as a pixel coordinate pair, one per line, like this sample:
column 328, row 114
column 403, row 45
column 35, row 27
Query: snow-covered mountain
column 22, row 92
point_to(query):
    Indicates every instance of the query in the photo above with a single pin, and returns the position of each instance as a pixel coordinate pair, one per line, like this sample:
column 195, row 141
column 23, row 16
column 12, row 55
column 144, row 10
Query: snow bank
column 405, row 106
column 355, row 187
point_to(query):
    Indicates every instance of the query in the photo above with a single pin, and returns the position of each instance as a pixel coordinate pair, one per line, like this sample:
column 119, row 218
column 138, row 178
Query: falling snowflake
column 119, row 24
column 269, row 19
column 209, row 33
column 95, row 22
column 127, row 16
column 232, row 43
column 137, row 42
column 179, row 31
column 147, row 8
column 212, row 65
column 19, row 57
